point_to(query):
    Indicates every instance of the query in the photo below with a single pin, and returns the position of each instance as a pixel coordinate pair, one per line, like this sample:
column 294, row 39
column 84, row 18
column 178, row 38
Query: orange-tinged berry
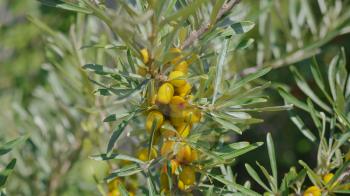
column 114, row 192
column 182, row 66
column 173, row 165
column 154, row 116
column 145, row 55
column 187, row 175
column 143, row 154
column 184, row 129
column 167, row 130
column 183, row 90
column 175, row 78
column 312, row 191
column 328, row 177
column 165, row 93
column 194, row 155
column 167, row 148
column 184, row 154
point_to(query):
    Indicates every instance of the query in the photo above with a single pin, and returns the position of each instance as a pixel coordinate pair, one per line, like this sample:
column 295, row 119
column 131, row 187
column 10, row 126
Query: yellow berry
column 154, row 116
column 184, row 129
column 181, row 185
column 114, row 192
column 328, row 177
column 143, row 154
column 164, row 182
column 177, row 103
column 145, row 55
column 182, row 66
column 312, row 191
column 114, row 184
column 184, row 154
column 176, row 118
column 183, row 90
column 167, row 130
column 175, row 78
column 192, row 115
column 176, row 52
column 165, row 93
column 187, row 175
column 167, row 148
column 194, row 155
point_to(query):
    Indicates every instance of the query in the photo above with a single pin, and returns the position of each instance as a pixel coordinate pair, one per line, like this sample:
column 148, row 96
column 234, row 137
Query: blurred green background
column 38, row 96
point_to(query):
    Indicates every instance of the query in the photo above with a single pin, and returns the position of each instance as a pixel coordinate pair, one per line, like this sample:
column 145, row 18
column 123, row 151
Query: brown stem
column 195, row 35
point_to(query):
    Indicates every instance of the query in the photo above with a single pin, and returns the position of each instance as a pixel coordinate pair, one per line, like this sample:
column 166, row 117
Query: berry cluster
column 170, row 121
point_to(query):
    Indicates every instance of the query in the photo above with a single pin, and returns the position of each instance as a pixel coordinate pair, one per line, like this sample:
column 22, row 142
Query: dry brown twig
column 195, row 35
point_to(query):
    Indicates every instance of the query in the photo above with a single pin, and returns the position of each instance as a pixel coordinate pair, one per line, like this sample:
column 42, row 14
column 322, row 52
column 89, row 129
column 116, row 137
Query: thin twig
column 195, row 35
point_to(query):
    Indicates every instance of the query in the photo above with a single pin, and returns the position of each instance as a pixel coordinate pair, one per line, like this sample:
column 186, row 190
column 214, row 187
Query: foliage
column 156, row 97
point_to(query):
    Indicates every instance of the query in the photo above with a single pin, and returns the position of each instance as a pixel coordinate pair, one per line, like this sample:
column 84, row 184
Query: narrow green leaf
column 234, row 185
column 242, row 27
column 7, row 147
column 151, row 191
column 117, row 132
column 272, row 156
column 124, row 171
column 217, row 6
column 250, row 78
column 291, row 99
column 105, row 157
column 301, row 126
column 6, row 172
column 219, row 68
column 256, row 177
column 316, row 180
column 302, row 84
column 66, row 6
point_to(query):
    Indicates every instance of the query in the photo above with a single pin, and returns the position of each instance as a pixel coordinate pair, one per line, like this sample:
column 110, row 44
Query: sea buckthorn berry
column 143, row 154
column 175, row 78
column 173, row 165
column 176, row 52
column 165, row 93
column 184, row 129
column 187, row 175
column 114, row 184
column 176, row 119
column 154, row 116
column 328, row 177
column 192, row 115
column 194, row 155
column 312, row 191
column 114, row 192
column 142, row 71
column 164, row 182
column 145, row 55
column 182, row 66
column 177, row 103
column 181, row 185
column 167, row 148
column 184, row 154
column 167, row 130
column 183, row 90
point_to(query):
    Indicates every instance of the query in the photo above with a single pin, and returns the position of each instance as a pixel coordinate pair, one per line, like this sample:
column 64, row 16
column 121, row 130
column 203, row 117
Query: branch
column 195, row 35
